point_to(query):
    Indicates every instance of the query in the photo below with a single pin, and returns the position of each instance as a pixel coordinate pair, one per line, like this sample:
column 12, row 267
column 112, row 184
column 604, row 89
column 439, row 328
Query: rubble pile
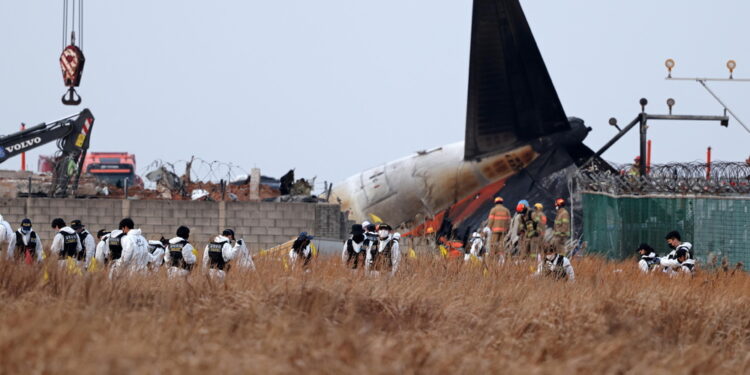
column 169, row 186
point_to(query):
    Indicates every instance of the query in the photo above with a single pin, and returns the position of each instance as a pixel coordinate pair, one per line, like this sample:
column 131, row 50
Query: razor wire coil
column 717, row 178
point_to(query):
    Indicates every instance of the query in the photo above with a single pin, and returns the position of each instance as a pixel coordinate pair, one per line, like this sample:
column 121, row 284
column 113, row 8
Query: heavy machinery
column 72, row 135
column 113, row 168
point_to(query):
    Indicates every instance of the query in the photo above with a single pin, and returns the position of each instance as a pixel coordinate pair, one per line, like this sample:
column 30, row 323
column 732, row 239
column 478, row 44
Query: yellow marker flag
column 93, row 266
column 375, row 219
column 443, row 251
column 72, row 266
column 313, row 249
column 45, row 276
column 195, row 252
column 412, row 254
column 286, row 264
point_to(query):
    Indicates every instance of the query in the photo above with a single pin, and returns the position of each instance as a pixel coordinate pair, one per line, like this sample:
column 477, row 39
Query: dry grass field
column 435, row 317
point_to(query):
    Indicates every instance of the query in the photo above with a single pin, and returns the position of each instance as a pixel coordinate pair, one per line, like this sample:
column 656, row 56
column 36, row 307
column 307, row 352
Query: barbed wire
column 718, row 178
column 200, row 170
column 203, row 171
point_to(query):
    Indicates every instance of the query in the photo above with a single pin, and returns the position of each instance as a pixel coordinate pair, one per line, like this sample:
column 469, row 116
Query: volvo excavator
column 72, row 135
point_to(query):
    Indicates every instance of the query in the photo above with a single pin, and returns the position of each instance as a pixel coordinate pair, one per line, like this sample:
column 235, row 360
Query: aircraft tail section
column 511, row 96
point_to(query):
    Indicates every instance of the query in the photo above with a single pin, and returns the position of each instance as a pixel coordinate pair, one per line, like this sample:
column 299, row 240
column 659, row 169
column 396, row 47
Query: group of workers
column 124, row 250
column 680, row 259
column 373, row 248
column 370, row 247
column 525, row 235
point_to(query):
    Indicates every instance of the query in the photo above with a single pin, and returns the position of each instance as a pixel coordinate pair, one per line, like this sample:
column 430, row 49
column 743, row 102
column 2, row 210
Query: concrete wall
column 261, row 224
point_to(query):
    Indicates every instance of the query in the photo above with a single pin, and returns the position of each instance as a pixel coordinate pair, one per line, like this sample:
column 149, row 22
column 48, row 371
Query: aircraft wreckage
column 519, row 142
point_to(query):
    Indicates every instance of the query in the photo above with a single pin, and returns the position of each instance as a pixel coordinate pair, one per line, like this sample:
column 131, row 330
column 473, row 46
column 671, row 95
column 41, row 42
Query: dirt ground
column 434, row 317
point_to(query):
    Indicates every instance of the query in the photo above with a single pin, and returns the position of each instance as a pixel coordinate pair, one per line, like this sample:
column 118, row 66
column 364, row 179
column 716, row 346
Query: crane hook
column 71, row 63
column 72, row 97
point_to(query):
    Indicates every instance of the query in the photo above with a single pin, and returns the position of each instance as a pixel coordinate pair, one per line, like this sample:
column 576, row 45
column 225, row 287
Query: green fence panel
column 614, row 226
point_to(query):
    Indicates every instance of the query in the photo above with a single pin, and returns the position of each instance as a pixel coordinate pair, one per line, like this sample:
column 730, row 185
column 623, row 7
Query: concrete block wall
column 261, row 224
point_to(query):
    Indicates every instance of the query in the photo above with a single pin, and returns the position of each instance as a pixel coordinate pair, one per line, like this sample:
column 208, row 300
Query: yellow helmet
column 539, row 206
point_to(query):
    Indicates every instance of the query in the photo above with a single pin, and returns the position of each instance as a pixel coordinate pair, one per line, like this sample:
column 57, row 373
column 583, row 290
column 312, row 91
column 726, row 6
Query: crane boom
column 72, row 135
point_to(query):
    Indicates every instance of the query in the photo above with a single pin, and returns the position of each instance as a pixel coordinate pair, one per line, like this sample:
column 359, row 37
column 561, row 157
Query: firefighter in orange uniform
column 562, row 226
column 498, row 222
column 539, row 225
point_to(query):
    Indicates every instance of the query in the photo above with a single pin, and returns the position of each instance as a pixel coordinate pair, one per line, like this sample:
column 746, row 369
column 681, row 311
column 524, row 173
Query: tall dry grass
column 435, row 317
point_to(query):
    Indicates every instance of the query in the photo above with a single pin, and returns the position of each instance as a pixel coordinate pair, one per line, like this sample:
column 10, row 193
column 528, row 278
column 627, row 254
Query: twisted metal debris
column 718, row 178
column 199, row 170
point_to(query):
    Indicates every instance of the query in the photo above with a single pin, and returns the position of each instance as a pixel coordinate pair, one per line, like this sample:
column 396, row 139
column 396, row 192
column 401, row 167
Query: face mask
column 672, row 246
column 25, row 230
column 383, row 233
column 358, row 238
column 550, row 256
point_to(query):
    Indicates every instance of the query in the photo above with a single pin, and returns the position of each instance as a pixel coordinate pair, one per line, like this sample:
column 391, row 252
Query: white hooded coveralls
column 58, row 242
column 38, row 252
column 244, row 258
column 381, row 246
column 188, row 256
column 135, row 256
column 228, row 253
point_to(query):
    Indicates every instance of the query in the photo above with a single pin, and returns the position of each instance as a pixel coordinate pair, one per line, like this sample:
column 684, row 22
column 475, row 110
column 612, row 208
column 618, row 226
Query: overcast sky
column 332, row 87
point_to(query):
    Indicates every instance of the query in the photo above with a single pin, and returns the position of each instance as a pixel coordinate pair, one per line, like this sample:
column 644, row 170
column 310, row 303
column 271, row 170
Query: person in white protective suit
column 682, row 263
column 555, row 266
column 385, row 254
column 25, row 245
column 6, row 232
column 180, row 255
column 648, row 260
column 217, row 255
column 135, row 256
column 477, row 248
column 674, row 241
column 354, row 253
column 157, row 248
column 301, row 251
column 66, row 243
column 109, row 247
column 88, row 245
column 243, row 258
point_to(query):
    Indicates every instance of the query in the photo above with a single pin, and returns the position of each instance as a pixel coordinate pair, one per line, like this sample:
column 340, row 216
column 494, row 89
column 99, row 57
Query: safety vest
column 30, row 247
column 689, row 250
column 381, row 259
column 650, row 260
column 152, row 248
column 689, row 265
column 115, row 246
column 555, row 268
column 70, row 245
column 175, row 255
column 216, row 256
column 82, row 254
column 351, row 254
column 299, row 248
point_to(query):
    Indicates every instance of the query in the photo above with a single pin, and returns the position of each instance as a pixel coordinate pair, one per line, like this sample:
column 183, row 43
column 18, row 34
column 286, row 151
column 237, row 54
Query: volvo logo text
column 23, row 145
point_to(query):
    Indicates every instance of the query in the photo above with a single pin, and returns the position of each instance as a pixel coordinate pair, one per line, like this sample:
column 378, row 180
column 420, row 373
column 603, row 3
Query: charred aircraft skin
column 431, row 181
column 425, row 183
